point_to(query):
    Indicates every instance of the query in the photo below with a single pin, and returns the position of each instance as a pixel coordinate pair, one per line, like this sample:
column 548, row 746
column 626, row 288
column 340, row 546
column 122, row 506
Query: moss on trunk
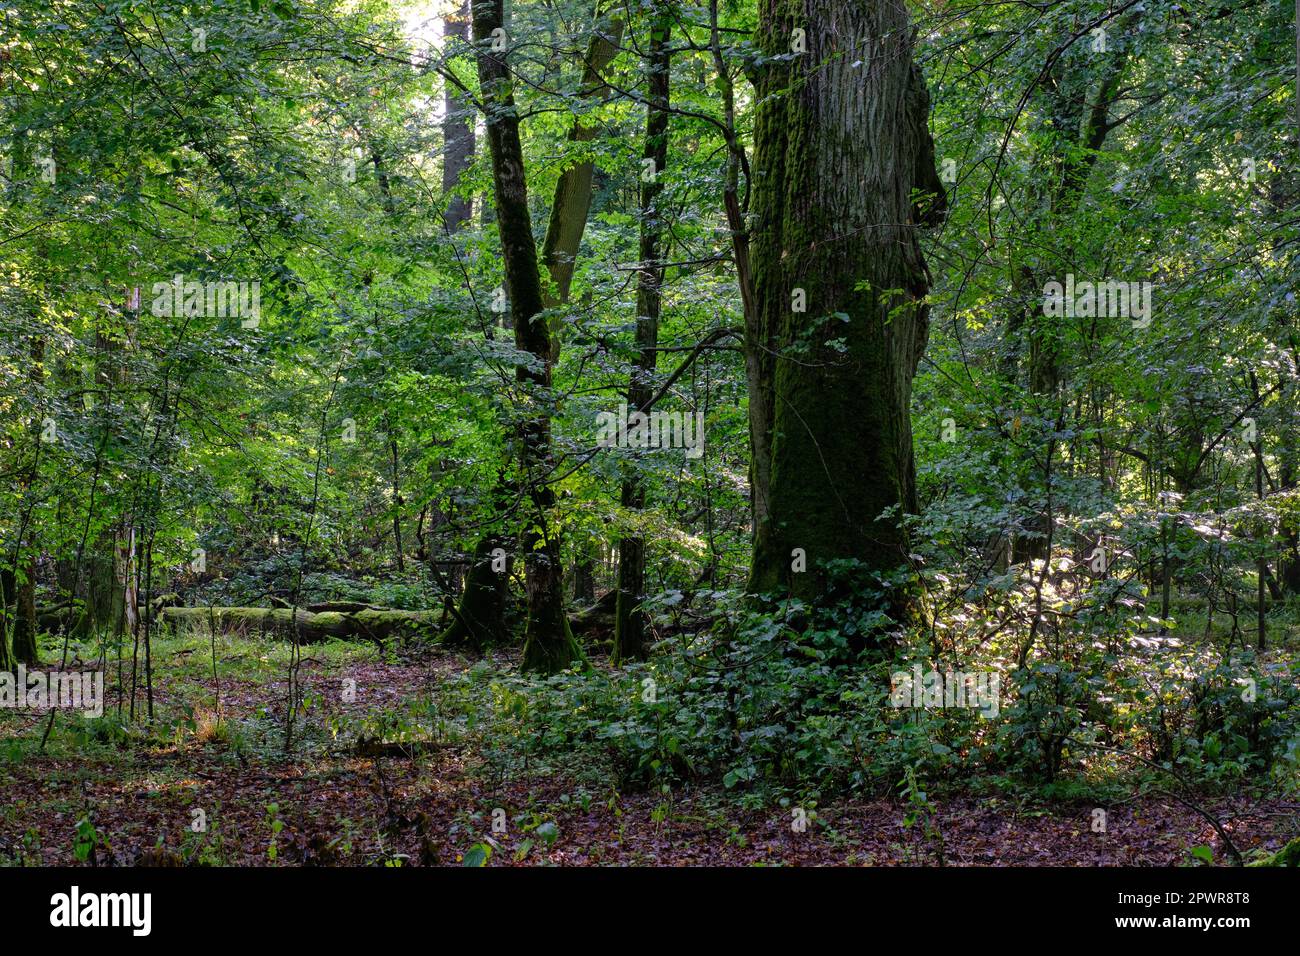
column 841, row 147
column 25, row 619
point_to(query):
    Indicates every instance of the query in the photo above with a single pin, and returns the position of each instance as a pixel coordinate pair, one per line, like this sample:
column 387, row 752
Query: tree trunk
column 7, row 588
column 841, row 143
column 103, row 585
column 25, row 623
column 584, row 579
column 25, row 649
column 479, row 621
column 548, row 643
column 1081, row 125
column 397, row 501
column 758, row 347
column 457, row 128
column 572, row 201
column 630, row 620
column 480, row 618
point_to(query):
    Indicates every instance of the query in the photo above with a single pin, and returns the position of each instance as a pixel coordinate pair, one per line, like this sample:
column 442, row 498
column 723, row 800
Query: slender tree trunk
column 8, row 581
column 548, row 643
column 486, row 591
column 759, row 351
column 629, row 619
column 584, row 578
column 104, row 581
column 397, row 501
column 1081, row 127
column 7, row 662
column 1261, row 563
column 457, row 128
column 25, row 620
column 841, row 143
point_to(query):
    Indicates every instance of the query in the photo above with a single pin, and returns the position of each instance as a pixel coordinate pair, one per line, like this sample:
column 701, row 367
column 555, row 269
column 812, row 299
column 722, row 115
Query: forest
column 523, row 433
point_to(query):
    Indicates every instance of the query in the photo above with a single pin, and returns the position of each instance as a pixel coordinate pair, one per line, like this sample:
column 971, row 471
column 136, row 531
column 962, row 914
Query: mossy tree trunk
column 25, row 622
column 629, row 619
column 548, row 643
column 479, row 619
column 7, row 662
column 841, row 145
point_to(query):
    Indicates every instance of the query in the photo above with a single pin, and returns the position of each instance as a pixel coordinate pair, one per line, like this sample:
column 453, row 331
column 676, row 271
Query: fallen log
column 597, row 618
column 1289, row 855
column 312, row 627
column 349, row 607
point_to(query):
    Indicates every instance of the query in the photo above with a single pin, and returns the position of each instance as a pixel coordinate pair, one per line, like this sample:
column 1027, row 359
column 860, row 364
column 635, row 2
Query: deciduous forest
column 649, row 432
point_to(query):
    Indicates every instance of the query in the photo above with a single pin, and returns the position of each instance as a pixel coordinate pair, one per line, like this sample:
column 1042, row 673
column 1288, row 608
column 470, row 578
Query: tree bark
column 841, row 144
column 630, row 620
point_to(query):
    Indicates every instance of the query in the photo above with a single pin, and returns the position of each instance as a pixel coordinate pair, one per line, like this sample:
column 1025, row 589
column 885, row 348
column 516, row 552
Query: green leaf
column 549, row 832
column 477, row 855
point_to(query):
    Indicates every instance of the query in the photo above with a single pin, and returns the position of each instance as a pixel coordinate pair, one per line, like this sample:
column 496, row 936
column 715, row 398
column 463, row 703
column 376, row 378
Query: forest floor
column 214, row 786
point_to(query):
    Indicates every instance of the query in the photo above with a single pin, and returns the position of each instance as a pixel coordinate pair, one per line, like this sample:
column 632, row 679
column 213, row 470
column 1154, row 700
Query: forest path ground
column 337, row 807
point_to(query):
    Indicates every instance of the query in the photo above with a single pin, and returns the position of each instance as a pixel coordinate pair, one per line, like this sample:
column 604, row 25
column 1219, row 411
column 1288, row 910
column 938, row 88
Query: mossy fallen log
column 56, row 618
column 311, row 627
column 347, row 606
column 1289, row 855
column 343, row 620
